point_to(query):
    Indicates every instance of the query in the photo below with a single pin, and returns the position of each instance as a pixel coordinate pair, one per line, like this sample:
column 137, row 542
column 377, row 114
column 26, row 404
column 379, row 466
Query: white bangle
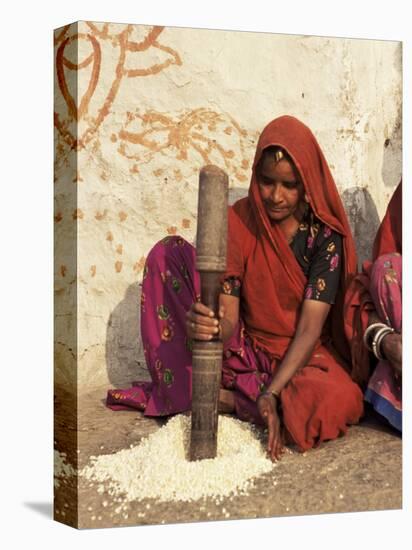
column 377, row 340
column 369, row 330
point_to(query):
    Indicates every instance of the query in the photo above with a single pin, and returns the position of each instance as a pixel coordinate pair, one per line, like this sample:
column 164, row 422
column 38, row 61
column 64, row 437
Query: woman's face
column 280, row 188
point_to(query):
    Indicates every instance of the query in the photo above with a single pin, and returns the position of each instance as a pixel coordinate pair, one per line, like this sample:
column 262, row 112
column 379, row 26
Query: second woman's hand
column 267, row 408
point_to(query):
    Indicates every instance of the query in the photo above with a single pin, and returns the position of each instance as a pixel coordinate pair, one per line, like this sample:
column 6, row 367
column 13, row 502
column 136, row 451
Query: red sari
column 320, row 400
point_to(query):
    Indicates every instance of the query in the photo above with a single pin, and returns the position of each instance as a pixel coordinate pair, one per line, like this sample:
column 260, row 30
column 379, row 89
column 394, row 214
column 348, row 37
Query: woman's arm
column 308, row 331
column 391, row 345
column 229, row 315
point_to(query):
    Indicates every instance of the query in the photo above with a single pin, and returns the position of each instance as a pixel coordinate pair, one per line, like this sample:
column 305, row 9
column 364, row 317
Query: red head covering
column 389, row 236
column 272, row 281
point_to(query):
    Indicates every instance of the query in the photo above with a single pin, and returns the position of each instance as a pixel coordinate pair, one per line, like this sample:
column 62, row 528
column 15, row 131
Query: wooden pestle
column 211, row 245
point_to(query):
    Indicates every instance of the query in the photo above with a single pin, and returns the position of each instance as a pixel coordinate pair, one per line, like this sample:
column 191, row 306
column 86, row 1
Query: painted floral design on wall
column 106, row 58
column 192, row 135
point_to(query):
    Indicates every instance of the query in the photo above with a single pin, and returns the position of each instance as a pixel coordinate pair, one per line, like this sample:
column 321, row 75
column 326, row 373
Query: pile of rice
column 61, row 468
column 159, row 468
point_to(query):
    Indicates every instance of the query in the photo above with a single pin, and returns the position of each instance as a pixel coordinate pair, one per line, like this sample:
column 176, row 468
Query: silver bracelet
column 369, row 330
column 380, row 342
column 377, row 340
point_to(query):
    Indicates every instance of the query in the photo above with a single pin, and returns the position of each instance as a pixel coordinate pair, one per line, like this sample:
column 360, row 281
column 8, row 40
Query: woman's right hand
column 201, row 323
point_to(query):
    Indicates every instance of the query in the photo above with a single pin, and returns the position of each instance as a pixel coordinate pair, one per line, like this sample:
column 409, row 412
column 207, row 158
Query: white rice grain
column 61, row 468
column 158, row 467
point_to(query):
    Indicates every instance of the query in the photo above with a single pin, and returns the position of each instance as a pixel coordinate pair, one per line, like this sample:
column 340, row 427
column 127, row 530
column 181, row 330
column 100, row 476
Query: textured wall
column 138, row 110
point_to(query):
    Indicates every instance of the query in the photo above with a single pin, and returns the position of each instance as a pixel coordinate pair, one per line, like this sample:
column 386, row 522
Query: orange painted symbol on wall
column 103, row 54
column 194, row 135
column 62, row 62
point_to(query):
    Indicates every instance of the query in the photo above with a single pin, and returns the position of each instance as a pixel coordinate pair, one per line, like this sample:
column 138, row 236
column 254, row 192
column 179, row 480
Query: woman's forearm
column 228, row 315
column 296, row 357
column 227, row 329
column 373, row 317
column 309, row 329
column 391, row 344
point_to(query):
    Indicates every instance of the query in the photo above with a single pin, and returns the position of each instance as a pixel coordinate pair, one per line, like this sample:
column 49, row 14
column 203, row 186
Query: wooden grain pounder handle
column 211, row 245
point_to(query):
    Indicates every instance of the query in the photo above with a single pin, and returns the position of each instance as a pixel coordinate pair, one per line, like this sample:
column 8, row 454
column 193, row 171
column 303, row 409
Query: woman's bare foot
column 226, row 401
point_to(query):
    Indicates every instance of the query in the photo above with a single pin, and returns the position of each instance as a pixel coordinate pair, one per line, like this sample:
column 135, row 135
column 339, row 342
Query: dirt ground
column 361, row 471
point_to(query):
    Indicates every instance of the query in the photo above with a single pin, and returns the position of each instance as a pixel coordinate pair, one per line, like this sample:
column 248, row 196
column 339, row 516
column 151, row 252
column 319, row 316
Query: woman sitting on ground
column 373, row 317
column 290, row 257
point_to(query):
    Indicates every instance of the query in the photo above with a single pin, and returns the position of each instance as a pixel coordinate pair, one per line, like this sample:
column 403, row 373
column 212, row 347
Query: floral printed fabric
column 318, row 251
column 170, row 286
column 384, row 390
column 231, row 286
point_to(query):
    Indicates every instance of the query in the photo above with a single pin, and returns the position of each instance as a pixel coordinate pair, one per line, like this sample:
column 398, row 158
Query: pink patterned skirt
column 384, row 390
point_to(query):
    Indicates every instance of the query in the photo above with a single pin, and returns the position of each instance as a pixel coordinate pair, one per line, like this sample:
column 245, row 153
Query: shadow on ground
column 42, row 508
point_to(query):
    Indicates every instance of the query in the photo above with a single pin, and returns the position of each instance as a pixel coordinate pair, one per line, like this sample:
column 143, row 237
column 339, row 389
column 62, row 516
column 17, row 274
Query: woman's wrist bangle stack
column 274, row 393
column 377, row 341
column 379, row 331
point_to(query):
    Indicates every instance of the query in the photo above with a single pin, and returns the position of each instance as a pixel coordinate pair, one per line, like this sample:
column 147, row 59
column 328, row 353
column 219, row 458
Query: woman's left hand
column 267, row 408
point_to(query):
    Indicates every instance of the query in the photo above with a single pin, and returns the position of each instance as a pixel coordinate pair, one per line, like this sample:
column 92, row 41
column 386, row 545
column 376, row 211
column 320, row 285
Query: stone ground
column 359, row 472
